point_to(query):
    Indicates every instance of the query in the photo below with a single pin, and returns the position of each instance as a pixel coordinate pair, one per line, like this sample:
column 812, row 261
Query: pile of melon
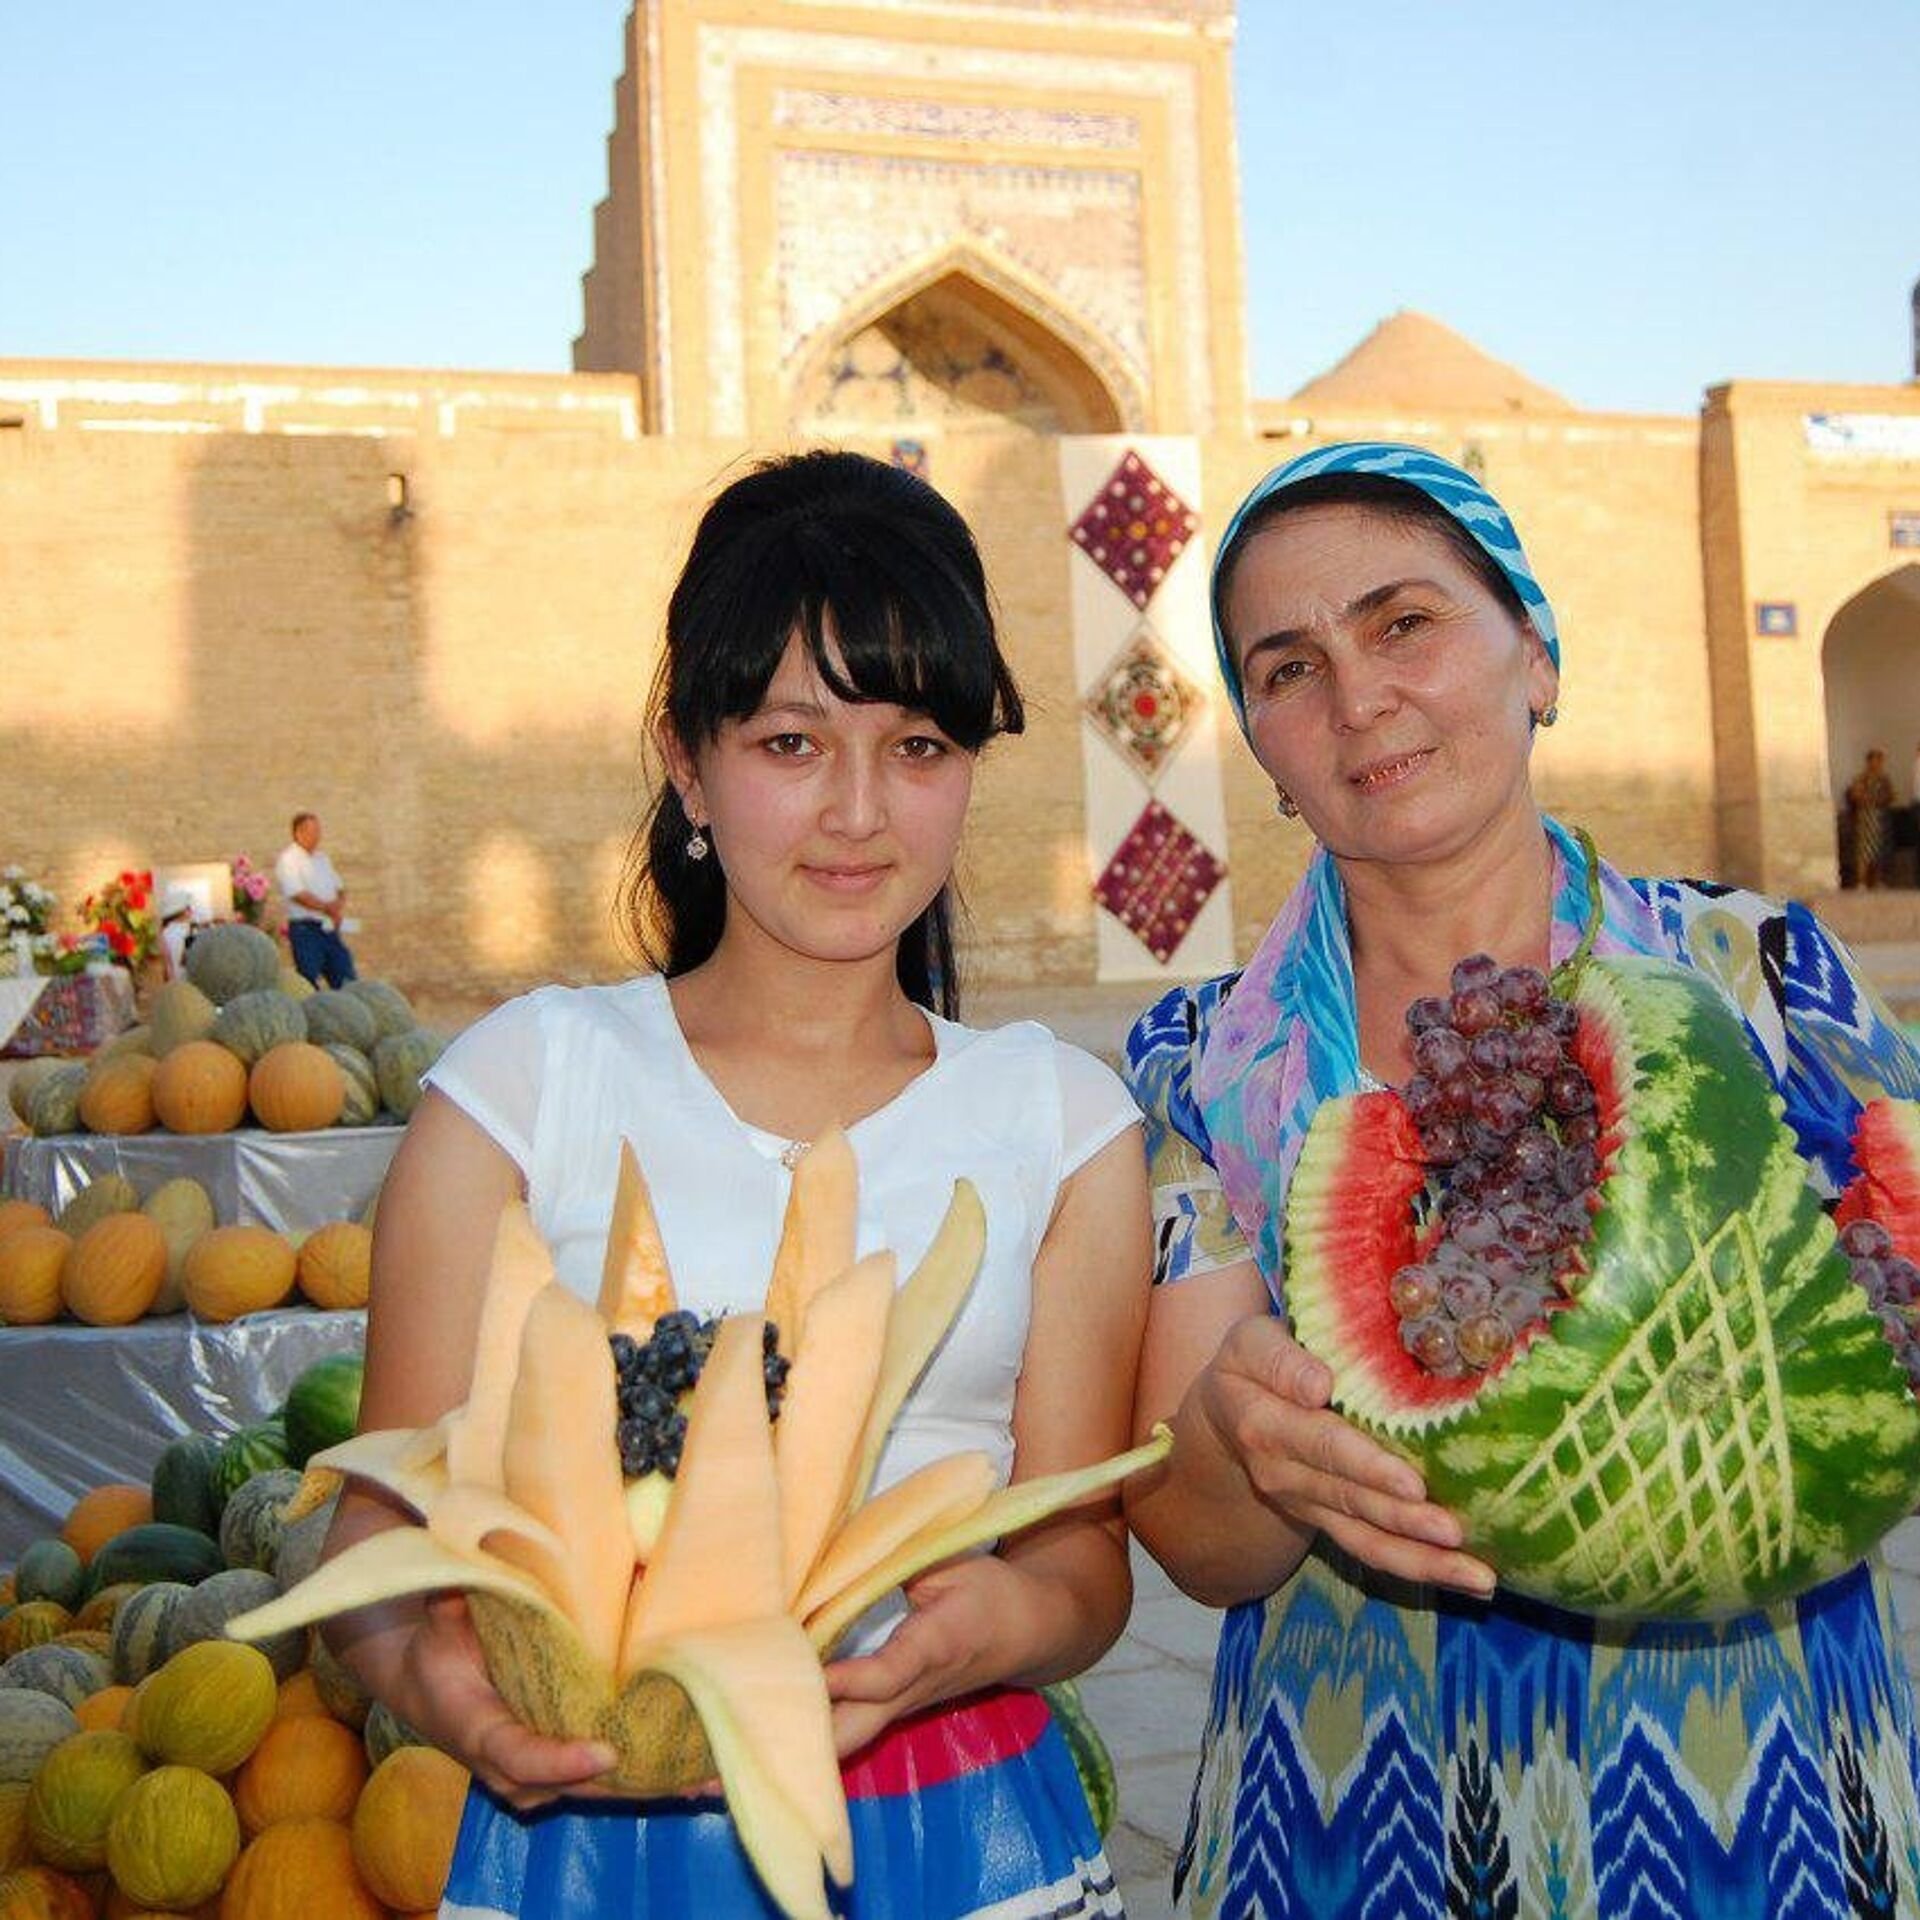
column 150, row 1764
column 240, row 1041
column 111, row 1258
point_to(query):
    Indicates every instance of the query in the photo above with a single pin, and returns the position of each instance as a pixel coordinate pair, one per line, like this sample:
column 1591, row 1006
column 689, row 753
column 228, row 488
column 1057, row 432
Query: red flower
column 120, row 941
column 136, row 898
column 146, row 876
column 126, row 879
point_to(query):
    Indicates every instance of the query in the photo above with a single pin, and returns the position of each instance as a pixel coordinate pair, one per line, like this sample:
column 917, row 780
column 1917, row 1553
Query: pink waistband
column 947, row 1741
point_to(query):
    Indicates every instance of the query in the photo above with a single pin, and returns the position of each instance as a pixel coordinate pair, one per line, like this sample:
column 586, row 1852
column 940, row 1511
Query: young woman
column 831, row 675
column 1390, row 1733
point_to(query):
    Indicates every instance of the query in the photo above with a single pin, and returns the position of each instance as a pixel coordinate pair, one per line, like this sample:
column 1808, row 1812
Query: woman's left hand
column 956, row 1615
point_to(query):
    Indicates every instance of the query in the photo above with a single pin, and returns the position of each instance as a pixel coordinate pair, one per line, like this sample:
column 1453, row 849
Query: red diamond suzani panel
column 1159, row 878
column 1135, row 528
column 1144, row 704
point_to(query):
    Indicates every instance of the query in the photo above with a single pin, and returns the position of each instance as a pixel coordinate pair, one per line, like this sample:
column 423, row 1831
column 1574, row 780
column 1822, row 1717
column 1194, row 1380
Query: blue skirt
column 960, row 1813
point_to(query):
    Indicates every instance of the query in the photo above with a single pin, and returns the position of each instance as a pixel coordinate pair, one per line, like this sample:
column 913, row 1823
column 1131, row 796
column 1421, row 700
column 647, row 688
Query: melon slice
column 561, row 1463
column 922, row 1313
column 636, row 1286
column 936, row 1495
column 1886, row 1149
column 717, row 1561
column 818, row 1235
column 816, row 1444
column 391, row 1457
column 1023, row 1504
column 521, row 1267
column 474, row 1520
column 762, row 1697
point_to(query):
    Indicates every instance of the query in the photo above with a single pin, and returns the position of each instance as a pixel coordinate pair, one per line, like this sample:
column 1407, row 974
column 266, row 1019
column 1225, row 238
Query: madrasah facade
column 998, row 241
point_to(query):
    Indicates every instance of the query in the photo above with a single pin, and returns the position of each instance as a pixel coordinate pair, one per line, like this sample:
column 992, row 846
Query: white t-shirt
column 298, row 871
column 559, row 1076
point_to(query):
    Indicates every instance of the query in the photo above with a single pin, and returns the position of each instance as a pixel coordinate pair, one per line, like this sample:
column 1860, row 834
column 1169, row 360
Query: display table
column 80, row 1406
column 83, row 1405
column 74, row 1013
column 287, row 1181
column 18, row 992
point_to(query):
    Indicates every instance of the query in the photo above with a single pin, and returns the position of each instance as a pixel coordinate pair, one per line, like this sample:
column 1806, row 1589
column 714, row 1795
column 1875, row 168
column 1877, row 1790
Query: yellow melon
column 296, row 1870
column 115, row 1270
column 296, row 1087
column 336, row 1265
column 235, row 1270
column 406, row 1823
column 22, row 1213
column 306, row 1767
column 118, row 1094
column 30, row 1262
column 200, row 1087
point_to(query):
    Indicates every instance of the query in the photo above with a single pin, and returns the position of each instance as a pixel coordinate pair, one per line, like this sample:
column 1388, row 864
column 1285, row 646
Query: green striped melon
column 154, row 1550
column 143, row 1636
column 67, row 1673
column 32, row 1724
column 184, row 1493
column 257, row 1448
column 253, row 1521
column 1092, row 1759
column 1717, row 1422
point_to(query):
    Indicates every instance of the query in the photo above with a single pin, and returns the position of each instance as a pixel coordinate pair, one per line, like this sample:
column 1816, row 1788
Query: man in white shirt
column 316, row 902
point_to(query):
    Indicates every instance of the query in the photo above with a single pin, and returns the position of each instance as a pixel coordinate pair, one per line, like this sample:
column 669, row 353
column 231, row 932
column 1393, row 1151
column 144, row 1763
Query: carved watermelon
column 1717, row 1421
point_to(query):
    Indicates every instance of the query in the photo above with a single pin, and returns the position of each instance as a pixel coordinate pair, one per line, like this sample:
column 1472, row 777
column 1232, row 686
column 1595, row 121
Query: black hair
column 1397, row 500
column 881, row 580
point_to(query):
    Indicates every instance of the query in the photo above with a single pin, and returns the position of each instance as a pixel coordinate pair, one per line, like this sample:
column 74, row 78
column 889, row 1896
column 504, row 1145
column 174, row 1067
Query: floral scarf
column 1288, row 1039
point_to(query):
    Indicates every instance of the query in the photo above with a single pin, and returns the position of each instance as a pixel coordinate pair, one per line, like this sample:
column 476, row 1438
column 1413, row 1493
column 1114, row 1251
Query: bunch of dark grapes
column 1507, row 1123
column 1891, row 1283
column 653, row 1375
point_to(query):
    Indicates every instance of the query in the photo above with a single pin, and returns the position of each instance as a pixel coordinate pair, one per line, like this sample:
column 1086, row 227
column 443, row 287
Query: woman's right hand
column 439, row 1686
column 1267, row 1402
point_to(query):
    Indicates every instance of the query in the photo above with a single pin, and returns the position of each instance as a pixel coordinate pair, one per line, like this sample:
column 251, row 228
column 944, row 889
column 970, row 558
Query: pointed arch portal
column 1870, row 661
column 958, row 341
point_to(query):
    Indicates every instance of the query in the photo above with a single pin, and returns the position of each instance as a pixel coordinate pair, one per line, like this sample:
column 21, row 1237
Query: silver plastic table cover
column 287, row 1181
column 80, row 1406
column 83, row 1405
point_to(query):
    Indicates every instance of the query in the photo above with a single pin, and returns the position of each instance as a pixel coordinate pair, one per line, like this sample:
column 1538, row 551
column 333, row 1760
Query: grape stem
column 1566, row 976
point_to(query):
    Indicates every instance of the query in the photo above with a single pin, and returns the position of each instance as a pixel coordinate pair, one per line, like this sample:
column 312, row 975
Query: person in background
column 1869, row 821
column 316, row 905
column 1392, row 1731
column 176, row 929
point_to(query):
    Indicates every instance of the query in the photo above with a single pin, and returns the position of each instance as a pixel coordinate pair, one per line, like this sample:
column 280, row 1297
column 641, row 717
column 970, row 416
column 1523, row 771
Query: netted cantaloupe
column 200, row 1087
column 306, row 1767
column 336, row 1265
column 183, row 1210
column 295, row 1870
column 73, row 1797
column 392, row 1010
column 343, row 1018
column 230, row 959
column 115, row 1270
column 106, row 1193
column 208, row 1706
column 31, row 1261
column 257, row 1022
column 405, row 1825
column 172, row 1837
column 295, row 1087
column 22, row 1213
column 399, row 1059
column 180, row 1012
column 237, row 1270
column 117, row 1095
column 53, row 1105
column 103, row 1511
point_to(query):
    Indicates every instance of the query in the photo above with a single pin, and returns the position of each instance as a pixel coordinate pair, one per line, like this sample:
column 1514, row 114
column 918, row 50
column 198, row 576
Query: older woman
column 1390, row 1732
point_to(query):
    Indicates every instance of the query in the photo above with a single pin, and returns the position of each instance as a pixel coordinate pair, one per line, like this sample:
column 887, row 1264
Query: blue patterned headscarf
column 1448, row 486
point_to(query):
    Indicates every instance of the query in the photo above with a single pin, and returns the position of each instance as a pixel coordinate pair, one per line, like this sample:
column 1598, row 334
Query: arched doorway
column 1870, row 661
column 953, row 350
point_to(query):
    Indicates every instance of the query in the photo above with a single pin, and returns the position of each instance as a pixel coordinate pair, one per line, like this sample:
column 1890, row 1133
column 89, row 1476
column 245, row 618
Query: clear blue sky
column 1631, row 201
